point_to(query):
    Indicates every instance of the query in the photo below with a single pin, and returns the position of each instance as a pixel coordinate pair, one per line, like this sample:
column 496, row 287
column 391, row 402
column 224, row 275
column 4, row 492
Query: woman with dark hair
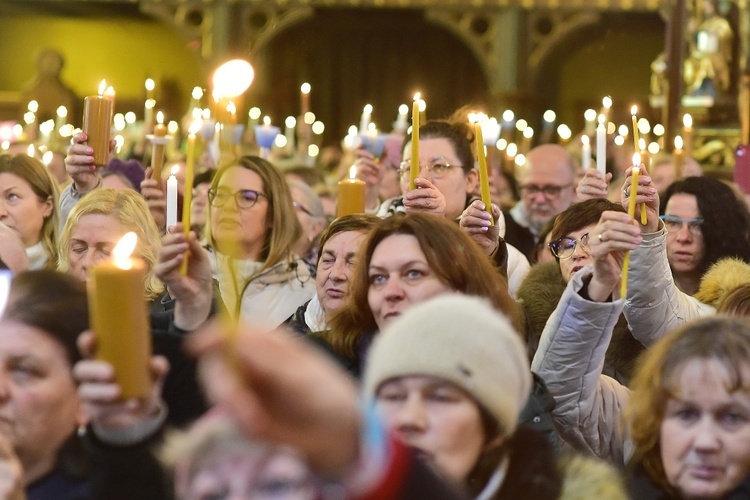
column 252, row 229
column 705, row 222
column 45, row 313
column 540, row 293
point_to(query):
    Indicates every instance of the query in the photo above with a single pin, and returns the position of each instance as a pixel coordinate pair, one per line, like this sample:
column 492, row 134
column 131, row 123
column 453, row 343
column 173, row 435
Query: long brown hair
column 451, row 254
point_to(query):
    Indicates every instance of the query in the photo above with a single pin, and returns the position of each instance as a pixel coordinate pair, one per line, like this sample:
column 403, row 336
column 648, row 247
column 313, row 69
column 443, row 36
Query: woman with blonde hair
column 29, row 206
column 97, row 223
column 252, row 229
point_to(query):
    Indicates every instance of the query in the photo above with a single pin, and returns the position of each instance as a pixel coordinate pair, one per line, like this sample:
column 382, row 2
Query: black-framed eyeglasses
column 674, row 223
column 302, row 208
column 550, row 191
column 244, row 198
column 565, row 247
column 437, row 167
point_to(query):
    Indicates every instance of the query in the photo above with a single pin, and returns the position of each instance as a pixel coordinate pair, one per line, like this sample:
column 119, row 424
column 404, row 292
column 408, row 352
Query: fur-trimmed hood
column 539, row 295
column 721, row 278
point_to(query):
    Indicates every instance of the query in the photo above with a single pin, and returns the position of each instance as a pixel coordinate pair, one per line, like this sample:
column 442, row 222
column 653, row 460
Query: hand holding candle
column 118, row 314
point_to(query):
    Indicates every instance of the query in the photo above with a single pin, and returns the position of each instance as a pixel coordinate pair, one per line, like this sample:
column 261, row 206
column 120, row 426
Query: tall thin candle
column 187, row 198
column 414, row 170
column 601, row 145
column 633, row 115
column 631, row 212
column 484, row 178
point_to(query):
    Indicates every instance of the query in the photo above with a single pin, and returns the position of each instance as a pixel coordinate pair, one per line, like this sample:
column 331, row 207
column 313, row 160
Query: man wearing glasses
column 547, row 187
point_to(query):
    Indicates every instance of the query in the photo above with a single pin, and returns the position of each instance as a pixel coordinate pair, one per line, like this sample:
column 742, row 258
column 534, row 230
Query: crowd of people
column 432, row 347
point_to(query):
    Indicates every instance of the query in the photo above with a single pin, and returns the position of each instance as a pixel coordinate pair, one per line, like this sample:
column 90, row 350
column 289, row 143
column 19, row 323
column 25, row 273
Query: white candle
column 172, row 198
column 585, row 152
column 364, row 121
column 401, row 124
column 601, row 146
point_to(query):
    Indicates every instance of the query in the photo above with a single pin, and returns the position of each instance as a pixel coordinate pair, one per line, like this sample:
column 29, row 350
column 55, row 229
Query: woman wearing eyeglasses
column 541, row 291
column 252, row 229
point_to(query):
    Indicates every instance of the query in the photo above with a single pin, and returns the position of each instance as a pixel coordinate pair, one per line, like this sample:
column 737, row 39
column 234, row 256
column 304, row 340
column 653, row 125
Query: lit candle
column 484, row 178
column 631, row 212
column 351, row 198
column 601, row 146
column 158, row 143
column 528, row 134
column 172, row 198
column 687, row 134
column 401, row 124
column 62, row 114
column 305, row 98
column 422, row 111
column 187, row 198
column 97, row 122
column 289, row 124
column 585, row 152
column 265, row 135
column 678, row 157
column 590, row 118
column 606, row 106
column 633, row 115
column 414, row 170
column 548, row 127
column 150, row 104
column 364, row 121
column 118, row 314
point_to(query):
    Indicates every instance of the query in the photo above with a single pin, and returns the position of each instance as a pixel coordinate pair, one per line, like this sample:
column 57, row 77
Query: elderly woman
column 252, row 231
column 29, row 206
column 337, row 257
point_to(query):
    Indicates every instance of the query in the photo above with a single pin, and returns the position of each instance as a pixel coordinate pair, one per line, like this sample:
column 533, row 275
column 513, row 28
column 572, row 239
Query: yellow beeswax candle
column 187, row 197
column 484, row 178
column 119, row 318
column 351, row 198
column 631, row 212
column 414, row 170
column 157, row 154
column 97, row 123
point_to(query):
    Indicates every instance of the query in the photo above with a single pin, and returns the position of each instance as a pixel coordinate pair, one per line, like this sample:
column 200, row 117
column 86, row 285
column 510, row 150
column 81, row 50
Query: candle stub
column 351, row 198
column 97, row 123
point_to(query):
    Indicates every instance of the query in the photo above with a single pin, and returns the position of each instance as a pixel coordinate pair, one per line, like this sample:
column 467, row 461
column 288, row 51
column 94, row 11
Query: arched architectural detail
column 548, row 30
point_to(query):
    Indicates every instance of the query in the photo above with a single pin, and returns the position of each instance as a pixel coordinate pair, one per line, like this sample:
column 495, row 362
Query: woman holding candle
column 28, row 206
column 252, row 231
column 542, row 289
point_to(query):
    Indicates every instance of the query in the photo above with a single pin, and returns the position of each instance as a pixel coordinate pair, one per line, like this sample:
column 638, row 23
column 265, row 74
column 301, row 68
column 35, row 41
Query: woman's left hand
column 11, row 472
column 615, row 234
column 425, row 199
column 475, row 221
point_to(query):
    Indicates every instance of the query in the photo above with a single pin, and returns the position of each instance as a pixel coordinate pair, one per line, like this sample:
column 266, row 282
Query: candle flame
column 305, row 88
column 641, row 143
column 417, row 96
column 232, row 108
column 266, row 120
column 403, row 109
column 508, row 115
column 174, row 170
column 290, row 122
column 634, row 110
column 585, row 139
column 601, row 119
column 353, row 172
column 511, row 150
column 589, row 115
column 368, row 109
column 110, row 91
column 31, row 151
column 636, row 160
column 549, row 116
column 102, row 87
column 233, row 78
column 195, row 127
column 607, row 102
column 150, row 84
column 422, row 105
column 528, row 133
column 678, row 142
column 124, row 249
column 33, row 106
column 160, row 118
column 47, row 158
column 687, row 120
column 197, row 93
column 62, row 111
column 254, row 113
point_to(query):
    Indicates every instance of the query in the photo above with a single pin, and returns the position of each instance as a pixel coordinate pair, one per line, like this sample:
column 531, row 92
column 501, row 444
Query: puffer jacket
column 539, row 295
column 588, row 405
column 654, row 304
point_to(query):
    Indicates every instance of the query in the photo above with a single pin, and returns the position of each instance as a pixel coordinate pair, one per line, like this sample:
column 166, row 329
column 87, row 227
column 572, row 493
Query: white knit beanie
column 463, row 340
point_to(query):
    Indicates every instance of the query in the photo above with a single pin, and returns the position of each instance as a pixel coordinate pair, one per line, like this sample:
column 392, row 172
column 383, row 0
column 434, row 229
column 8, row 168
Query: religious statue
column 707, row 69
